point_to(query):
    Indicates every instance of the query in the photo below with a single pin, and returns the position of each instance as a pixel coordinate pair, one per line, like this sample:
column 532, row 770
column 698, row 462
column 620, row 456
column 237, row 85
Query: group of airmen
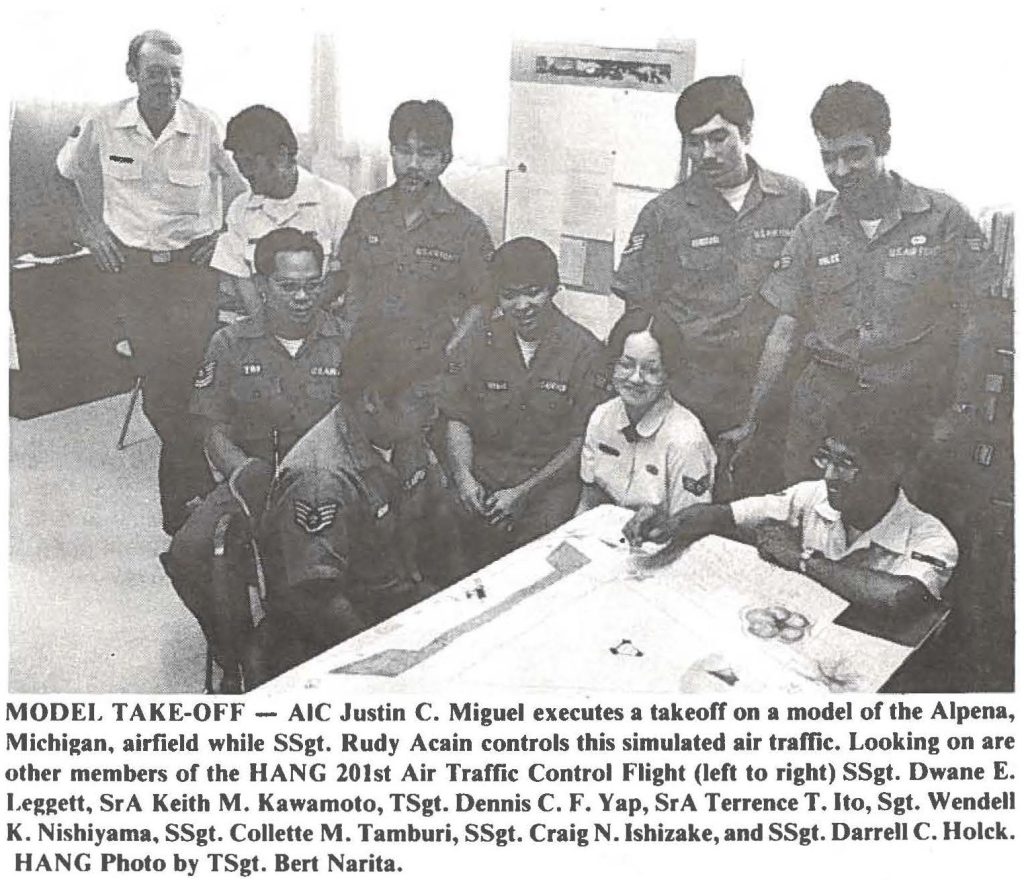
column 401, row 403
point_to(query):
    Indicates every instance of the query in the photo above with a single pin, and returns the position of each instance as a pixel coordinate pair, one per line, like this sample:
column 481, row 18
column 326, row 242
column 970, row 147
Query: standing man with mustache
column 154, row 166
column 700, row 252
column 875, row 285
column 415, row 256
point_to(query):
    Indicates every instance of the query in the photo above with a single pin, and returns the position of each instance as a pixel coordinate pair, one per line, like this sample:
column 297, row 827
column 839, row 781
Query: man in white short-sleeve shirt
column 666, row 461
column 146, row 177
column 280, row 194
column 854, row 531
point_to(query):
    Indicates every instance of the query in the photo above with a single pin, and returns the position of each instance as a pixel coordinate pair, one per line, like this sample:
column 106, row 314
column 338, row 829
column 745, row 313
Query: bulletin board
column 592, row 139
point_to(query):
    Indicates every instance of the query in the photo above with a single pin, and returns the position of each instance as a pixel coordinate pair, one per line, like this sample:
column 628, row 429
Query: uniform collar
column 697, row 189
column 307, row 194
column 910, row 199
column 255, row 326
column 437, row 200
column 892, row 531
column 651, row 421
column 183, row 121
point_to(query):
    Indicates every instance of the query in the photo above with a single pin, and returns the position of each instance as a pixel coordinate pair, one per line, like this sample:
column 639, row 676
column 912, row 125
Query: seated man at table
column 854, row 531
column 264, row 382
column 340, row 532
column 521, row 387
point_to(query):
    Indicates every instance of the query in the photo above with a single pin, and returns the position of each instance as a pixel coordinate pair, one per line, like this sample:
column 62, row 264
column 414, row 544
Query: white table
column 573, row 611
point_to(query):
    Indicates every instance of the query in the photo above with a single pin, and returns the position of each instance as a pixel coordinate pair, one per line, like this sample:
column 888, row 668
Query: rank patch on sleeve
column 783, row 262
column 635, row 243
column 204, row 375
column 975, row 244
column 933, row 561
column 313, row 518
column 697, row 487
column 75, row 132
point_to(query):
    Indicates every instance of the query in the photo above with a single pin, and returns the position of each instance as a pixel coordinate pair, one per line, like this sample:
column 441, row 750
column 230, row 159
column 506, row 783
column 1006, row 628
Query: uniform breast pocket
column 917, row 295
column 710, row 258
column 769, row 248
column 913, row 271
column 833, row 283
column 122, row 167
column 322, row 388
column 552, row 403
column 187, row 187
column 253, row 391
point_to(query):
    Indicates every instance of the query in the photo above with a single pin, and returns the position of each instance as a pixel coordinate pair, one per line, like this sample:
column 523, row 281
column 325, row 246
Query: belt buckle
column 159, row 258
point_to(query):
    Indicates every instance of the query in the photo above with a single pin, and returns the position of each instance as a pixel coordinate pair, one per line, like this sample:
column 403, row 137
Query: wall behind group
column 946, row 73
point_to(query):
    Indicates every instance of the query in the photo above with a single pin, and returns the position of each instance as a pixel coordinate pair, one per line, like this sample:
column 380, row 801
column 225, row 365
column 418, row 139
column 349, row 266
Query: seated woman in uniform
column 642, row 447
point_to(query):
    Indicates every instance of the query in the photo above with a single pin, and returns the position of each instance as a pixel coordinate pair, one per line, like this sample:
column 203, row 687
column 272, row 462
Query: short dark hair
column 287, row 239
column 261, row 130
column 429, row 119
column 521, row 262
column 848, row 107
column 712, row 96
column 878, row 424
column 158, row 38
column 662, row 328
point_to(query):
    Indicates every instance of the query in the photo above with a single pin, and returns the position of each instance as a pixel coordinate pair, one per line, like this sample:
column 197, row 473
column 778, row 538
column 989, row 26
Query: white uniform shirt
column 671, row 463
column 906, row 541
column 159, row 194
column 316, row 206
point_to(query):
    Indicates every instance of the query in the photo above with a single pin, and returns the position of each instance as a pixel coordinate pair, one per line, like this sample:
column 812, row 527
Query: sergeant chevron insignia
column 315, row 517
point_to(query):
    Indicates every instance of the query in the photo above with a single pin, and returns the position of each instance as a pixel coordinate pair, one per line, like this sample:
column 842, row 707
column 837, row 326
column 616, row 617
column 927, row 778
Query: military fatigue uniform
column 159, row 196
column 702, row 264
column 666, row 461
column 407, row 286
column 906, row 542
column 333, row 534
column 521, row 416
column 267, row 399
column 881, row 313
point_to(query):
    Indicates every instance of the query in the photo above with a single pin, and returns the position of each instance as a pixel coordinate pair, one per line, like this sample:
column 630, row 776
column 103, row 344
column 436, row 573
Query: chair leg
column 132, row 401
column 208, row 684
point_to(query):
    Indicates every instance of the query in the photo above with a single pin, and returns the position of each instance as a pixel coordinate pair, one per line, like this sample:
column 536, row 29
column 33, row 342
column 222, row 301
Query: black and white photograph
column 602, row 349
column 552, row 439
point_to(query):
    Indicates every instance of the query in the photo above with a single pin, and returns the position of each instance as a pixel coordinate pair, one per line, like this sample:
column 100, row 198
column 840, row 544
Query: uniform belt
column 160, row 258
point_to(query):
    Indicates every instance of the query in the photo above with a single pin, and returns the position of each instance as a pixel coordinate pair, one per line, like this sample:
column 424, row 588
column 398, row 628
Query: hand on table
column 649, row 523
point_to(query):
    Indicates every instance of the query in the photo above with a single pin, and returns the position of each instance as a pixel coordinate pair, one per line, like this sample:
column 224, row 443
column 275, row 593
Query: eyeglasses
column 652, row 375
column 313, row 288
column 530, row 290
column 429, row 154
column 844, row 467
